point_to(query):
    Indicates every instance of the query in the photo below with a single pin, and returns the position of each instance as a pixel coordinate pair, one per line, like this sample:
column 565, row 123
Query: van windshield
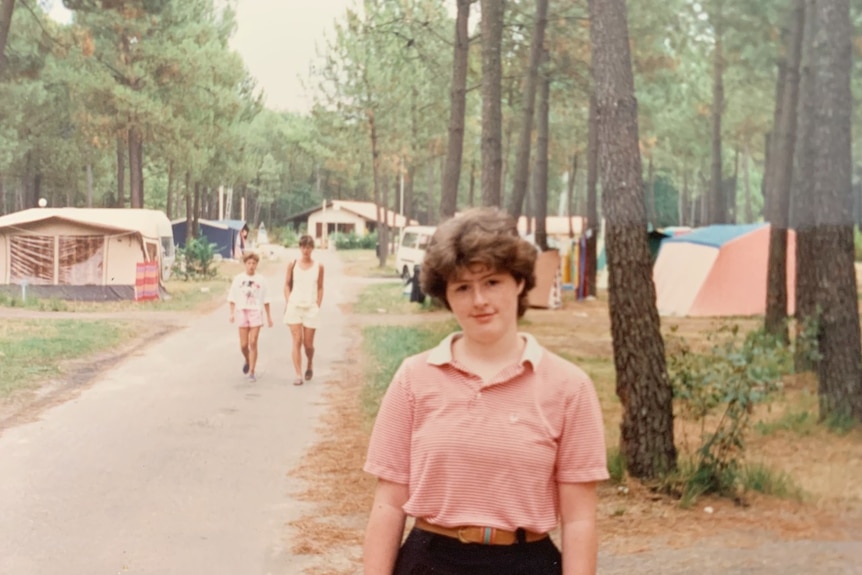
column 410, row 240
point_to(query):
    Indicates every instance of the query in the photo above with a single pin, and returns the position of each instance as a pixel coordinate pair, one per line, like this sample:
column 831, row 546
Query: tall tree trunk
column 89, row 171
column 730, row 192
column 718, row 207
column 541, row 175
column 522, row 160
column 121, row 173
column 570, row 199
column 196, row 211
column 189, row 210
column 492, row 114
column 746, row 179
column 781, row 177
column 840, row 368
column 169, row 201
column 593, row 220
column 7, row 7
column 802, row 210
column 136, row 169
column 646, row 432
column 472, row 194
column 375, row 177
column 457, row 110
column 684, row 198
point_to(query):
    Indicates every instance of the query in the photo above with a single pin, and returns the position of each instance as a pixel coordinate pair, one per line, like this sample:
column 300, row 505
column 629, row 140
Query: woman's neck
column 507, row 349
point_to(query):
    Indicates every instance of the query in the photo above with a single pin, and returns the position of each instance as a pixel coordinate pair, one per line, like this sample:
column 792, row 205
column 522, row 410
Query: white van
column 411, row 248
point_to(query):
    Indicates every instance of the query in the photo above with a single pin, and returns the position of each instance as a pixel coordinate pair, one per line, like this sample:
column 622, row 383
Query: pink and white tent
column 719, row 270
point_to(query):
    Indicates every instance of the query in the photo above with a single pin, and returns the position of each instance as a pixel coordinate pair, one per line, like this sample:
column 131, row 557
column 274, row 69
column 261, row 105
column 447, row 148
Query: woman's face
column 485, row 302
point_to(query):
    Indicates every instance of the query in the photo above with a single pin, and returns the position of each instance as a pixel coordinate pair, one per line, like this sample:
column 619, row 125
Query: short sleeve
column 389, row 448
column 232, row 292
column 582, row 455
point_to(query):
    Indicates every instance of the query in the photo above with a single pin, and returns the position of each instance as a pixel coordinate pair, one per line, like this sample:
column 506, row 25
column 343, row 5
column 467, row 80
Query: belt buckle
column 461, row 536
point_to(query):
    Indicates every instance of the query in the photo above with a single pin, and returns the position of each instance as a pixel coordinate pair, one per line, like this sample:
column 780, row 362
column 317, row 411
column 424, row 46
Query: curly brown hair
column 483, row 236
column 306, row 240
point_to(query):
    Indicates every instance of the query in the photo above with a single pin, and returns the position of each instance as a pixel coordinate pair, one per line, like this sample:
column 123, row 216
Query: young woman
column 249, row 296
column 488, row 440
column 303, row 292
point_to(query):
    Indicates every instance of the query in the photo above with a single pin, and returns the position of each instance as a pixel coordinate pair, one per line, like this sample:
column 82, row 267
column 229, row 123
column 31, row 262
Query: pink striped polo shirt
column 488, row 454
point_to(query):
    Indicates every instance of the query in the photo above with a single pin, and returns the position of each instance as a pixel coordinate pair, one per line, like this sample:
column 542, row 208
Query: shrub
column 352, row 241
column 195, row 260
column 719, row 391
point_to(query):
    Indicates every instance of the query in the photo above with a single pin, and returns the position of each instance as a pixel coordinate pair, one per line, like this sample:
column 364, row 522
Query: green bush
column 352, row 241
column 195, row 260
column 719, row 390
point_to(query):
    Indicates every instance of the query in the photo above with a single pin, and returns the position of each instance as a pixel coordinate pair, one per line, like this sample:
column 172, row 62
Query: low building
column 344, row 217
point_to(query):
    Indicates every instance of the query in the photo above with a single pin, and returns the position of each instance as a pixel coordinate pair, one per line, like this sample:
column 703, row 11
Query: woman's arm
column 288, row 276
column 578, row 503
column 320, row 286
column 385, row 528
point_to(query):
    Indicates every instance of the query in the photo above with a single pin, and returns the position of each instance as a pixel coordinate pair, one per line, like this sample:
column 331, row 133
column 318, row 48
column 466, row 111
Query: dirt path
column 169, row 462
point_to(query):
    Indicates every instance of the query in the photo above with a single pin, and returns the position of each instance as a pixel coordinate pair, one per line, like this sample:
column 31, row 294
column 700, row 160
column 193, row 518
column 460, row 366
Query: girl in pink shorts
column 248, row 300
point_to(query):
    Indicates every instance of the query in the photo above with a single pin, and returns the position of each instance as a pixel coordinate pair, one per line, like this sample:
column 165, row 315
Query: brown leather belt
column 481, row 535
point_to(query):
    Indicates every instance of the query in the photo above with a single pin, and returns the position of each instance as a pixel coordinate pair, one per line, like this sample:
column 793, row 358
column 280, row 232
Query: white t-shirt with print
column 248, row 292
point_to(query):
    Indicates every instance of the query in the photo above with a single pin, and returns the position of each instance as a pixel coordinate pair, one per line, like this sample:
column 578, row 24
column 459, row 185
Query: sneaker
column 245, row 368
column 252, row 378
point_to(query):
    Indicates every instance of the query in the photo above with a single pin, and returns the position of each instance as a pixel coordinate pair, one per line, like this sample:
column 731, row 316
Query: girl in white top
column 303, row 292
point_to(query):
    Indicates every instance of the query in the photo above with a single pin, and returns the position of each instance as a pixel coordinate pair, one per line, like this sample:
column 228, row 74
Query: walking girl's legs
column 253, row 333
column 243, row 343
column 308, row 342
column 296, row 349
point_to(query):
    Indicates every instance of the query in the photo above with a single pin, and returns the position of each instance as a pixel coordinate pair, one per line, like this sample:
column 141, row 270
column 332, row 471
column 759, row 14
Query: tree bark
column 189, row 219
column 646, row 438
column 522, row 160
column 802, row 209
column 541, row 175
column 492, row 115
column 593, row 221
column 457, row 111
column 840, row 367
column 7, row 7
column 718, row 204
column 121, row 173
column 571, row 209
column 169, row 201
column 781, row 177
column 136, row 169
column 375, row 177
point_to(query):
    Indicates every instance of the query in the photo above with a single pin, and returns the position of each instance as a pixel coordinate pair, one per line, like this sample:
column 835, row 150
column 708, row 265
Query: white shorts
column 306, row 314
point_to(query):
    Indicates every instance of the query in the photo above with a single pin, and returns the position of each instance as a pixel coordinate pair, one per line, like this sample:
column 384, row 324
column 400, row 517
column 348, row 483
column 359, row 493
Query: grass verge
column 386, row 347
column 35, row 350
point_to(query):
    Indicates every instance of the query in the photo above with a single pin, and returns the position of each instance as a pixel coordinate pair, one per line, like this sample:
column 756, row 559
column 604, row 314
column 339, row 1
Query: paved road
column 171, row 463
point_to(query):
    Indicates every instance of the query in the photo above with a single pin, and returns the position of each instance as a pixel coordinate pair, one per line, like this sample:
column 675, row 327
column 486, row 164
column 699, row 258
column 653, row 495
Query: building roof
column 149, row 223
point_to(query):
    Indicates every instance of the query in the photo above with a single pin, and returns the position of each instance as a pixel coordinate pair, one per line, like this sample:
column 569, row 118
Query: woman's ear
column 521, row 284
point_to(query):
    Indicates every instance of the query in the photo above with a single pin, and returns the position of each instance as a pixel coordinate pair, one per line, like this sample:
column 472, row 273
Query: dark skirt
column 425, row 553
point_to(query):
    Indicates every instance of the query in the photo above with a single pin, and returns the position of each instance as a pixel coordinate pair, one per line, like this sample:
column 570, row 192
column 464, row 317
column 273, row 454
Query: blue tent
column 222, row 233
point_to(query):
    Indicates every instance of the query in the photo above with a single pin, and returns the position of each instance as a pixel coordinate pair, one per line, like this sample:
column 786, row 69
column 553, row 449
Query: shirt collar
column 442, row 354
